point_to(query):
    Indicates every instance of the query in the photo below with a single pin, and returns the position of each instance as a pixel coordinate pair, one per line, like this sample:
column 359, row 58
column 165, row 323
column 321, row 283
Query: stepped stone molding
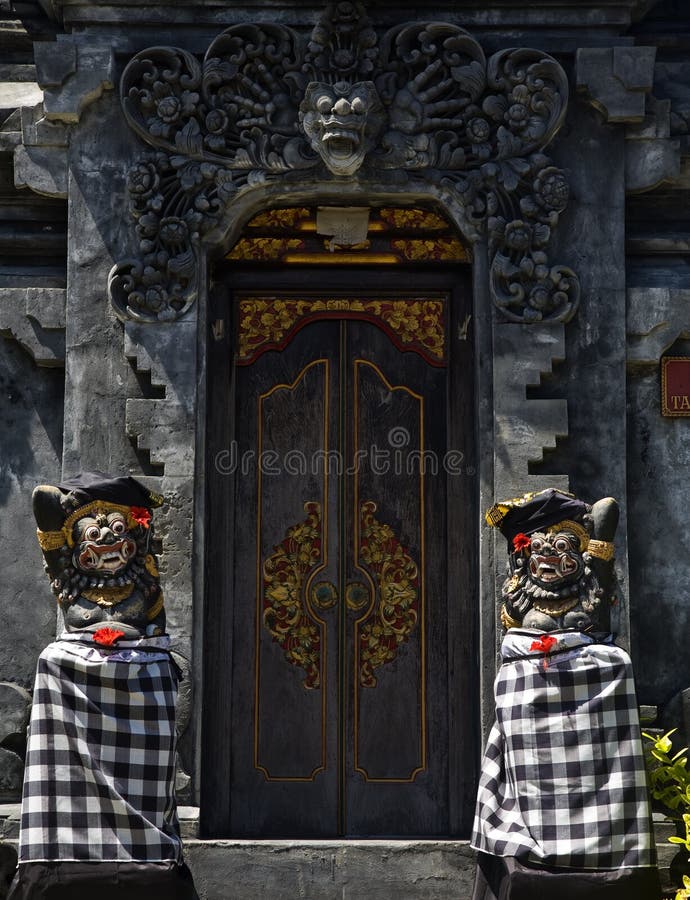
column 35, row 318
column 418, row 109
column 69, row 77
column 524, row 428
column 72, row 76
column 164, row 427
column 616, row 80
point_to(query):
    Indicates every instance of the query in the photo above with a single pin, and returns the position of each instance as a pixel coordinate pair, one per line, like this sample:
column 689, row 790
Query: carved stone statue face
column 555, row 558
column 342, row 122
column 552, row 585
column 101, row 560
column 104, row 543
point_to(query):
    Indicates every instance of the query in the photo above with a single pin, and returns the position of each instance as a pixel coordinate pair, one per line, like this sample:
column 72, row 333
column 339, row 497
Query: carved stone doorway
column 341, row 685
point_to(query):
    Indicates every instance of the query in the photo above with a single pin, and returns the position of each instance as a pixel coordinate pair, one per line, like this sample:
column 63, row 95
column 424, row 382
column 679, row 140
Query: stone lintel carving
column 35, row 318
column 418, row 108
column 616, row 79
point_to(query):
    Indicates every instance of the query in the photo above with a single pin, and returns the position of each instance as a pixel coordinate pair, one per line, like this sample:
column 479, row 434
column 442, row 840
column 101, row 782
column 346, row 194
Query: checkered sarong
column 100, row 765
column 563, row 778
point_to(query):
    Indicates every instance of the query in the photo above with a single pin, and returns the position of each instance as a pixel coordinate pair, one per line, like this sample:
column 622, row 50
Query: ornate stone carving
column 342, row 122
column 96, row 534
column 422, row 104
column 560, row 565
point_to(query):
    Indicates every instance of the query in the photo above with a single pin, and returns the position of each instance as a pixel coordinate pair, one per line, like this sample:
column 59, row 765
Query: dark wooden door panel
column 396, row 769
column 284, row 778
column 339, row 621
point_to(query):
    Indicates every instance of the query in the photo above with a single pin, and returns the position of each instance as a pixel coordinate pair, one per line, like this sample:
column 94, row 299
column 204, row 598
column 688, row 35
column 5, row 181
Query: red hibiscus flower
column 521, row 542
column 141, row 515
column 107, row 636
column 545, row 643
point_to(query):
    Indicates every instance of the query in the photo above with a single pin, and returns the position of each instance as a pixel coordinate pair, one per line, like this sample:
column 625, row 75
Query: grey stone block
column 651, row 156
column 55, row 62
column 42, row 169
column 35, row 318
column 81, row 84
column 524, row 428
column 325, row 870
column 616, row 80
column 11, row 775
column 656, row 316
column 10, row 817
column 15, row 706
column 37, row 131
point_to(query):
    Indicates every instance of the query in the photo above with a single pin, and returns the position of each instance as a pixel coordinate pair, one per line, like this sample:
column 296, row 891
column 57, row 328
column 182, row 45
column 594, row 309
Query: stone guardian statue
column 98, row 809
column 562, row 806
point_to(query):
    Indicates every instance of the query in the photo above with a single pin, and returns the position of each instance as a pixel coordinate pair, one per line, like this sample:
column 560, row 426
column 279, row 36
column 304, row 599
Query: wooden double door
column 340, row 611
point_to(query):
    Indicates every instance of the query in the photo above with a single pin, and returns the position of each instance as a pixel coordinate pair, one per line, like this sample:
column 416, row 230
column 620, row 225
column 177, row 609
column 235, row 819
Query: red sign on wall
column 675, row 386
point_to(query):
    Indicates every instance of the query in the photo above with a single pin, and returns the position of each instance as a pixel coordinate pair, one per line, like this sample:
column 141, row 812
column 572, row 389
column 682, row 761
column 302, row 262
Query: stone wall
column 552, row 397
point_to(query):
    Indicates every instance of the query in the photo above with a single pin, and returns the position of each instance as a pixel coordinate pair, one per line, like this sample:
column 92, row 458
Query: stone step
column 331, row 870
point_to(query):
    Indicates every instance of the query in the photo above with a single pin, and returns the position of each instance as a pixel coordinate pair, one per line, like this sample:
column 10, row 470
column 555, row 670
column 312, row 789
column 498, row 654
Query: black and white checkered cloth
column 563, row 778
column 100, row 767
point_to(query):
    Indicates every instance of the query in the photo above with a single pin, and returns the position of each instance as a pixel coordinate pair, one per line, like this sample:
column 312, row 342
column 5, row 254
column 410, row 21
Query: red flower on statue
column 141, row 515
column 545, row 643
column 107, row 636
column 521, row 542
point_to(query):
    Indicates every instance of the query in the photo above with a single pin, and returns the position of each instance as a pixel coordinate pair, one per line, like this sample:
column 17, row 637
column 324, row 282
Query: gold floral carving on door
column 285, row 613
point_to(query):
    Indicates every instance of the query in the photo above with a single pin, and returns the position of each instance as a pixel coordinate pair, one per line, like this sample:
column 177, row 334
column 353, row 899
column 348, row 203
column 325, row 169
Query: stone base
column 331, row 870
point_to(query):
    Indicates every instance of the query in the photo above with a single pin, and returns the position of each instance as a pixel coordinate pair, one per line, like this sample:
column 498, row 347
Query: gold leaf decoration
column 396, row 613
column 413, row 324
column 440, row 249
column 280, row 218
column 284, row 612
column 264, row 248
column 420, row 219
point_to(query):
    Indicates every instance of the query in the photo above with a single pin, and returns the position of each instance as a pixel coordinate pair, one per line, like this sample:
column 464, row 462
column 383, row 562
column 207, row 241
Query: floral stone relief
column 420, row 106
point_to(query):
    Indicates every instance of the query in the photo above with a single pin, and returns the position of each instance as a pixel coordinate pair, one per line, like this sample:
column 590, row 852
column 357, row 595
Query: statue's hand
column 521, row 605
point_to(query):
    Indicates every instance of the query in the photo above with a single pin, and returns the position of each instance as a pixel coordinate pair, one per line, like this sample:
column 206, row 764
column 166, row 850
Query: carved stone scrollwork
column 423, row 103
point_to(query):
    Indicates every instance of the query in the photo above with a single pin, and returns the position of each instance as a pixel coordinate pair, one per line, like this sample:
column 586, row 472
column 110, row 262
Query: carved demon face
column 555, row 558
column 551, row 584
column 103, row 543
column 342, row 122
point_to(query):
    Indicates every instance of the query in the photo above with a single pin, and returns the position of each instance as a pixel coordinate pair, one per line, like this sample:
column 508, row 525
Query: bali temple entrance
column 340, row 617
